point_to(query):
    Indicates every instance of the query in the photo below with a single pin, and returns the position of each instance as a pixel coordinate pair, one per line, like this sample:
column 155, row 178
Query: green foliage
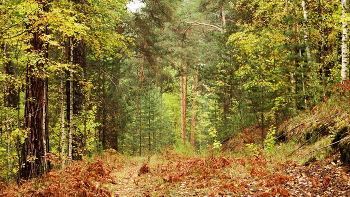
column 183, row 149
column 86, row 124
column 270, row 141
column 253, row 149
column 216, row 144
column 9, row 152
column 268, row 144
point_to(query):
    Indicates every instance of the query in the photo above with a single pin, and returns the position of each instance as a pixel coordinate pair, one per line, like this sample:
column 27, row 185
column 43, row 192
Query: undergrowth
column 172, row 173
column 81, row 178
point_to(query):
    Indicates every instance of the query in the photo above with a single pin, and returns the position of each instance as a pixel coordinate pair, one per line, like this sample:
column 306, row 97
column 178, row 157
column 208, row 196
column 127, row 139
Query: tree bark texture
column 33, row 160
column 35, row 146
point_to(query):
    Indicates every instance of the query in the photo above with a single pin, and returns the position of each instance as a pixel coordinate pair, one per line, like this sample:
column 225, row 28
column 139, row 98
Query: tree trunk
column 75, row 98
column 194, row 109
column 70, row 116
column 44, row 124
column 139, row 107
column 33, row 159
column 63, row 124
column 345, row 38
column 70, row 100
column 78, row 97
column 303, row 83
column 149, row 125
column 34, row 146
column 223, row 19
column 183, row 101
column 306, row 32
column 307, row 48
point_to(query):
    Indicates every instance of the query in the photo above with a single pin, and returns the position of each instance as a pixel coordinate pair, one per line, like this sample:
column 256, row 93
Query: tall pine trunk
column 33, row 158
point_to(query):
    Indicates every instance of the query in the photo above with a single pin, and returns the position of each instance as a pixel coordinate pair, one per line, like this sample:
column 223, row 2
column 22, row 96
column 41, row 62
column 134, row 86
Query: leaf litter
column 173, row 174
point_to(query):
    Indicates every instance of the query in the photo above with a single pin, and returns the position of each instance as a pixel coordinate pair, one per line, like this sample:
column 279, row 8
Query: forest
column 174, row 98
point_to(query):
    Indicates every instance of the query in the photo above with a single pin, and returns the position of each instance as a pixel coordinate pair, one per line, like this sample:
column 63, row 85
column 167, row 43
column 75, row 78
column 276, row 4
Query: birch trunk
column 71, row 127
column 306, row 31
column 344, row 47
column 44, row 125
column 63, row 129
column 307, row 49
column 70, row 107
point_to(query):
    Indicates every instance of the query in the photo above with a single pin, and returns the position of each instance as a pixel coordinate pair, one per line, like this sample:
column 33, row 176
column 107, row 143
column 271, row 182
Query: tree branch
column 209, row 25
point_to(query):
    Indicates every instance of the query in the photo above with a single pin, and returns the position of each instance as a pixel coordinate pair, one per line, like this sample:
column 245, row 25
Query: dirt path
column 173, row 174
column 198, row 178
column 126, row 182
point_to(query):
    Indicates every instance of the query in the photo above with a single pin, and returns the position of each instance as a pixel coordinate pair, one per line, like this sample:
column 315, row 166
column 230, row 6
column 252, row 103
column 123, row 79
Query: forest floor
column 255, row 175
column 175, row 174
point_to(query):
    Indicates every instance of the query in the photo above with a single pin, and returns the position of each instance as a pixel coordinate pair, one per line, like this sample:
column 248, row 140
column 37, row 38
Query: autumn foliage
column 78, row 179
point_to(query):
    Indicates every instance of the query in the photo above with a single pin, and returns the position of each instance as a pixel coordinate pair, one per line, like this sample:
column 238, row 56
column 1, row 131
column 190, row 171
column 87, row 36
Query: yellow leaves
column 244, row 40
column 48, row 38
column 262, row 61
column 66, row 22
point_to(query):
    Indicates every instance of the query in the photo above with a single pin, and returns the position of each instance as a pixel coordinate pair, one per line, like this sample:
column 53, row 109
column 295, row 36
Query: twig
column 110, row 76
column 205, row 24
column 298, row 148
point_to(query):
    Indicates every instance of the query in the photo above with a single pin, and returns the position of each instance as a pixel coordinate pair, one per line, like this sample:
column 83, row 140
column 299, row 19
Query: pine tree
column 35, row 148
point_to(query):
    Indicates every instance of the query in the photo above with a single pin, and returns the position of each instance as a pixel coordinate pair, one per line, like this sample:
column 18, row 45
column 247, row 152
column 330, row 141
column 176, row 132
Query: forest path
column 173, row 174
column 126, row 180
column 222, row 176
